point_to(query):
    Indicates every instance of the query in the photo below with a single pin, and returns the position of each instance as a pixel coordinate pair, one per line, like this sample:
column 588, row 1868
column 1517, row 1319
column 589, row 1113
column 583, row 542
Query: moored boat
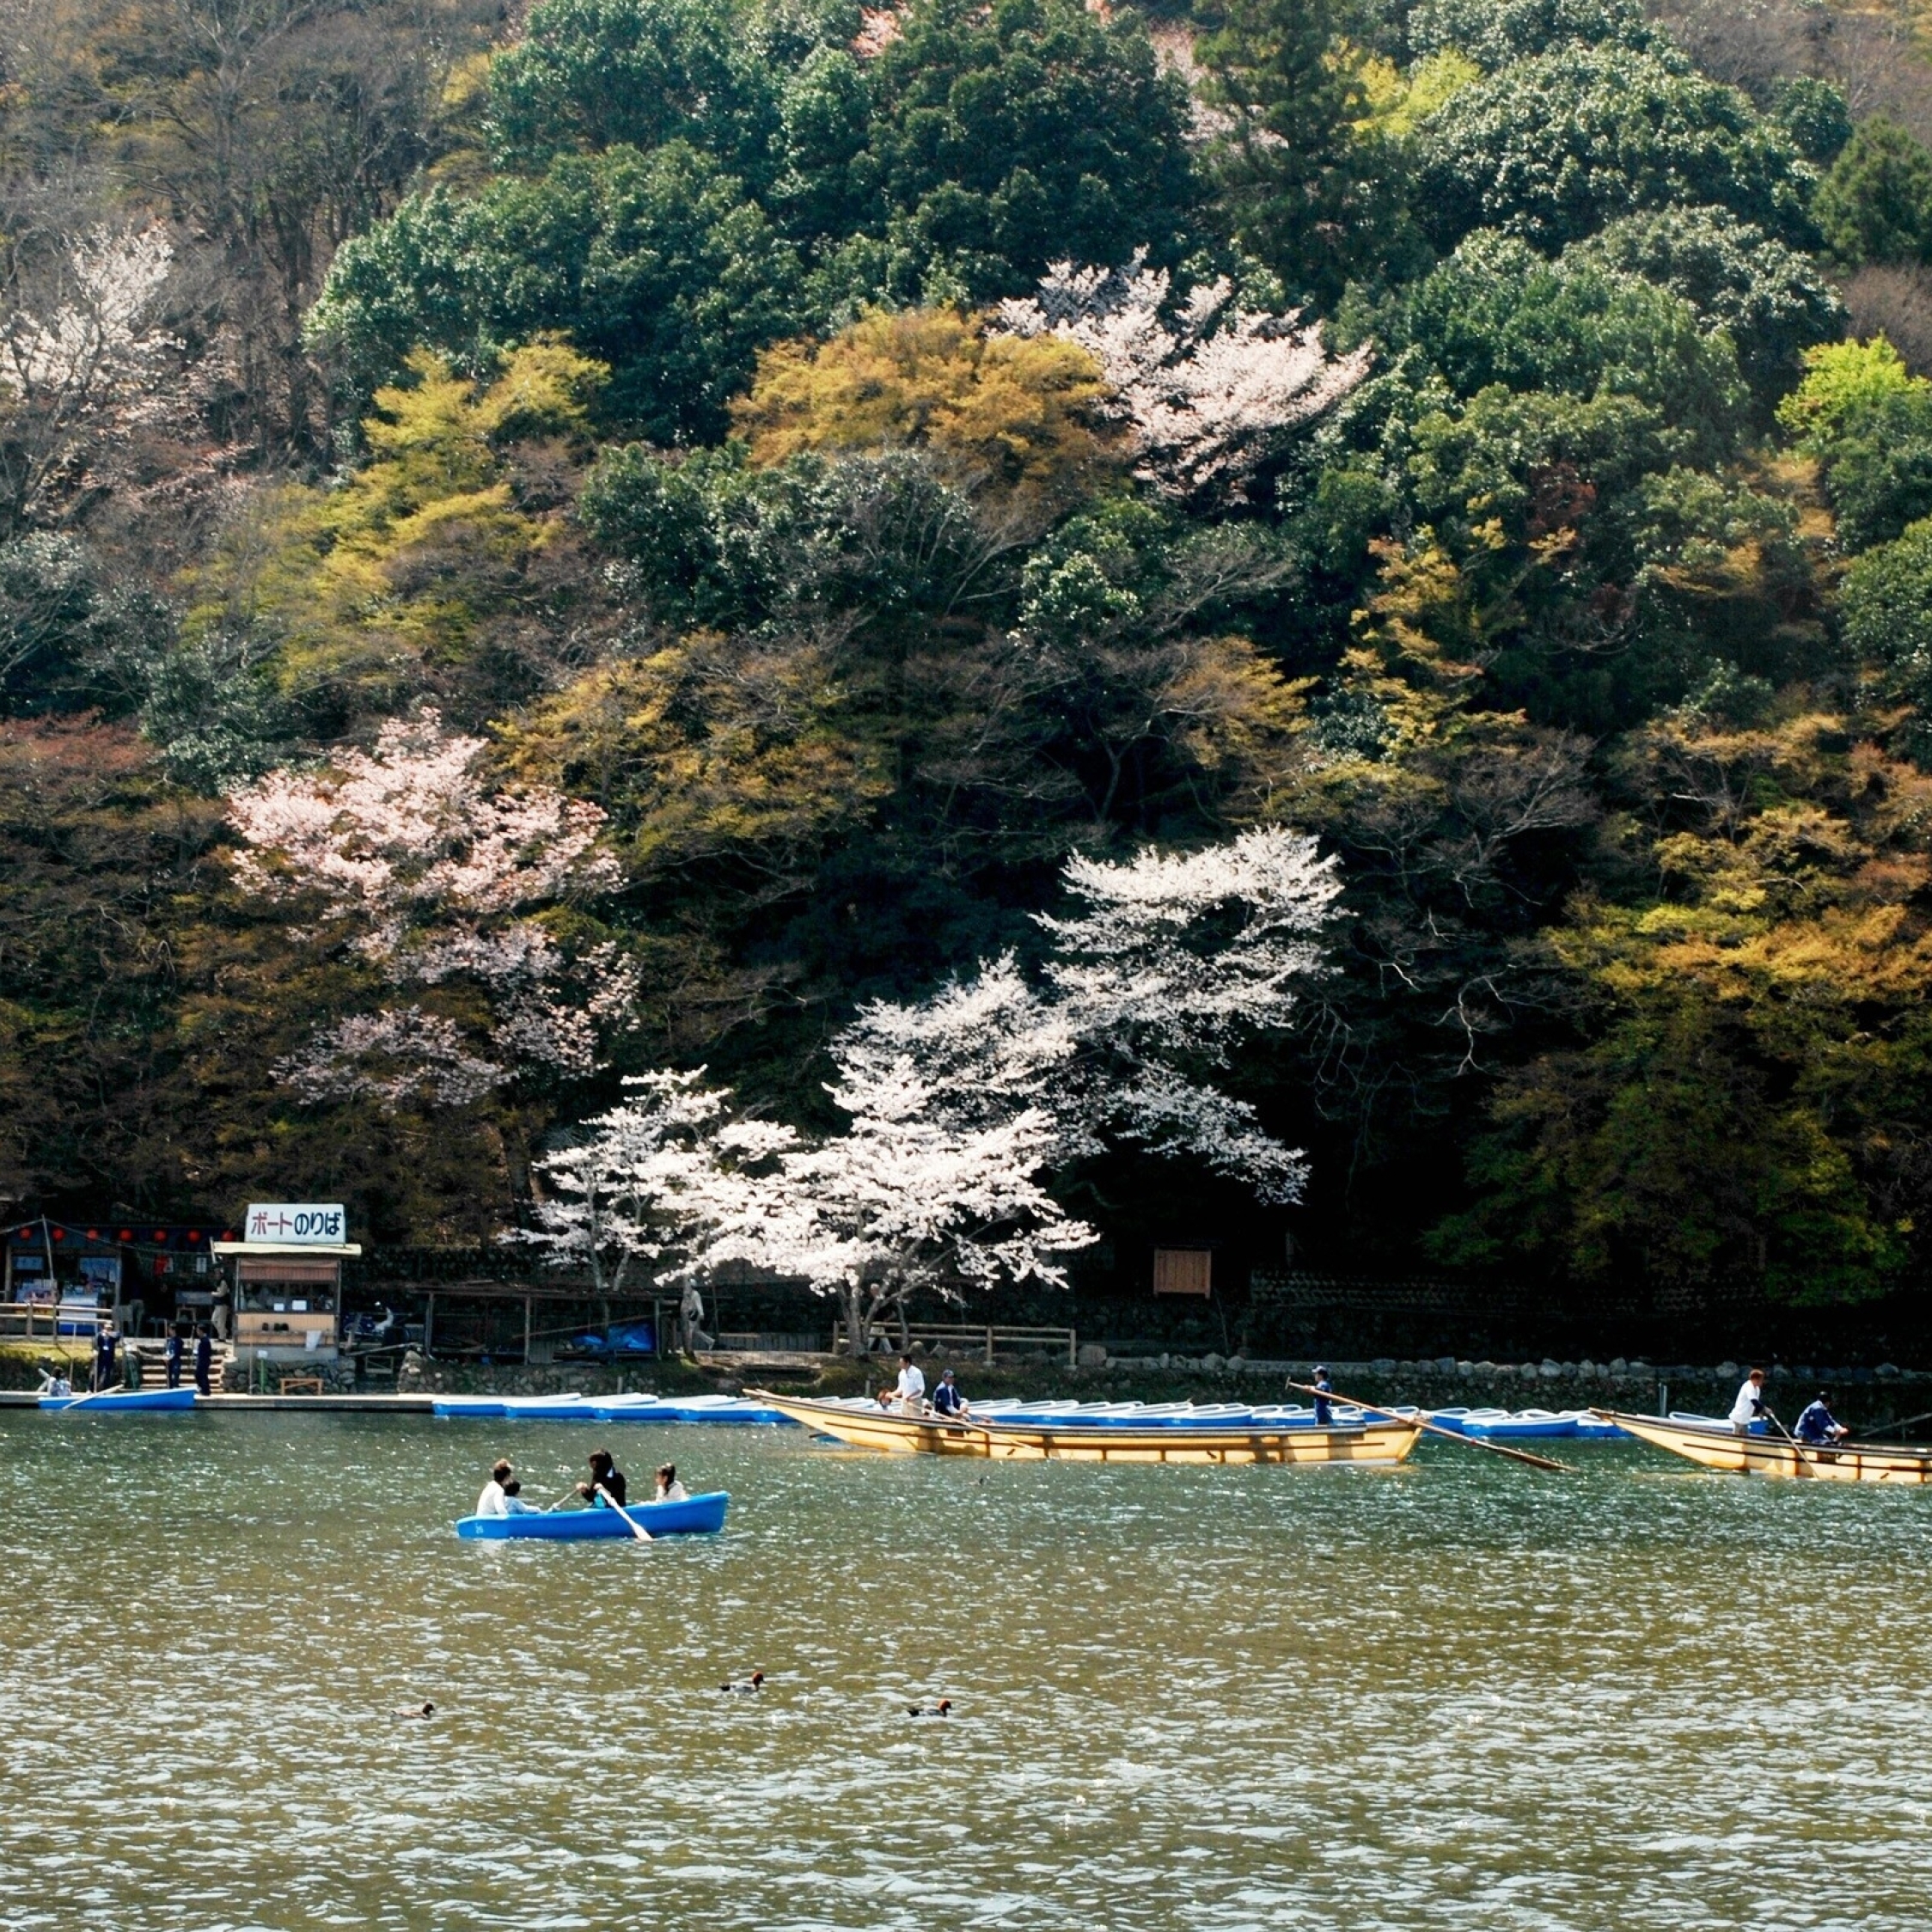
column 1716, row 1444
column 868, row 1427
column 702, row 1515
column 122, row 1402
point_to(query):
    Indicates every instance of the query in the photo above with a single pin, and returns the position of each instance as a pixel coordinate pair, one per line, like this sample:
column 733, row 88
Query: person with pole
column 1749, row 1408
column 1325, row 1413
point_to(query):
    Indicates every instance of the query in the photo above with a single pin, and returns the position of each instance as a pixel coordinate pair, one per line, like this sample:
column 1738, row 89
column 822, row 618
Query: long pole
column 1804, row 1461
column 1432, row 1429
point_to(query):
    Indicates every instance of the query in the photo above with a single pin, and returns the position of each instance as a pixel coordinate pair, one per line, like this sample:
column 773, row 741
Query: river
column 1460, row 1695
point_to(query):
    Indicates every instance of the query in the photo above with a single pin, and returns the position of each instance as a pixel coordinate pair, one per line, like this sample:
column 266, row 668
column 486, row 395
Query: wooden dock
column 371, row 1404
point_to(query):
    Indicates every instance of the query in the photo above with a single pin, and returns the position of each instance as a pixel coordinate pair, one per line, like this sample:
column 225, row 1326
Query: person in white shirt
column 669, row 1489
column 493, row 1502
column 908, row 1397
column 1750, row 1405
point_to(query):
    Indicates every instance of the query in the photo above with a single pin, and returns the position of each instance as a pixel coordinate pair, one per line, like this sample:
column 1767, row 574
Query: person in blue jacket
column 1325, row 1415
column 1818, row 1424
column 946, row 1398
column 173, row 1358
column 106, row 1342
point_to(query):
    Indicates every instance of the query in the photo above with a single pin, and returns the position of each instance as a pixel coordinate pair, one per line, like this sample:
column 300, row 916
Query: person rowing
column 1749, row 1408
column 607, row 1484
column 946, row 1398
column 1818, row 1425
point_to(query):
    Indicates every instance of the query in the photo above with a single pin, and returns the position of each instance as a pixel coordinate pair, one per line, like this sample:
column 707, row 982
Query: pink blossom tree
column 1208, row 391
column 408, row 860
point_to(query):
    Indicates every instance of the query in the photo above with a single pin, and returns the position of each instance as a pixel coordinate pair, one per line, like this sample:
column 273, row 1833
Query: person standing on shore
column 1749, row 1408
column 173, row 1358
column 204, row 1360
column 105, row 1343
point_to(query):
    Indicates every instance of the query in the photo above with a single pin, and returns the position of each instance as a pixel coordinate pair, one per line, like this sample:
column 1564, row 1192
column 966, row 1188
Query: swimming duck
column 940, row 1709
column 755, row 1682
column 424, row 1709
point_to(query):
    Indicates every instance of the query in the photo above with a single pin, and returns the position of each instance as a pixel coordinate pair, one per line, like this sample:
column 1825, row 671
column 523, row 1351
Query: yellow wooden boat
column 1381, row 1443
column 1722, row 1448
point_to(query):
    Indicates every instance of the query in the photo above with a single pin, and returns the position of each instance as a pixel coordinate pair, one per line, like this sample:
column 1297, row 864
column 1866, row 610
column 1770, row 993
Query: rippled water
column 1461, row 1695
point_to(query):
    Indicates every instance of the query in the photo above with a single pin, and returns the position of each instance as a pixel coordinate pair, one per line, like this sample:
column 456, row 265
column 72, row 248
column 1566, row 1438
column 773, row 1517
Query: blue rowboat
column 122, row 1402
column 695, row 1516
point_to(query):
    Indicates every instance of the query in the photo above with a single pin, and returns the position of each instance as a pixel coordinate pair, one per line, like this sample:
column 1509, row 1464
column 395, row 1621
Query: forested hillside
column 547, row 547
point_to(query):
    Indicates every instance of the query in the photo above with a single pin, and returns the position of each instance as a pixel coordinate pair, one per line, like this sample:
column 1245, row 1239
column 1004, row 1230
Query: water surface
column 1457, row 1696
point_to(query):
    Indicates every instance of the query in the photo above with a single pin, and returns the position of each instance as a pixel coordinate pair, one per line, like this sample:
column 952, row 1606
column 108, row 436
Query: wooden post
column 989, row 1345
column 429, row 1324
column 526, row 1332
column 1073, row 1349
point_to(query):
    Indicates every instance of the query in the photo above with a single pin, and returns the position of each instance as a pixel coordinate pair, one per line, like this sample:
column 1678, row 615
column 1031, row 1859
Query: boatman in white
column 908, row 1397
column 1749, row 1408
column 494, row 1499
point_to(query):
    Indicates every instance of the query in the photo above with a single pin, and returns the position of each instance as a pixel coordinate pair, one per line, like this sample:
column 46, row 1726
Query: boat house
column 287, row 1275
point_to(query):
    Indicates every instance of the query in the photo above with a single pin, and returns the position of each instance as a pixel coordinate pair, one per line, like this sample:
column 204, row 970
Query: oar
column 1432, row 1429
column 637, row 1528
column 1788, row 1437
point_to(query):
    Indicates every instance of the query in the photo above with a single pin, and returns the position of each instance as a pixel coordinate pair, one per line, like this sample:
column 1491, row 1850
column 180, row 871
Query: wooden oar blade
column 1448, row 1435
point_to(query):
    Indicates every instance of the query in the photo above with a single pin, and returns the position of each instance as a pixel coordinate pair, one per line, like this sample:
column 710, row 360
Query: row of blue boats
column 1483, row 1424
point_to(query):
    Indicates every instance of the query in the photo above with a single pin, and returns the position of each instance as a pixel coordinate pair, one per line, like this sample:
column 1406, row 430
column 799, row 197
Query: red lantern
column 127, row 1234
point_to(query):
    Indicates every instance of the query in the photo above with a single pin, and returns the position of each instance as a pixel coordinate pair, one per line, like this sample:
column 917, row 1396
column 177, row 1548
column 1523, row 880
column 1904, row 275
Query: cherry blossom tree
column 74, row 355
column 410, row 860
column 959, row 1106
column 1209, row 391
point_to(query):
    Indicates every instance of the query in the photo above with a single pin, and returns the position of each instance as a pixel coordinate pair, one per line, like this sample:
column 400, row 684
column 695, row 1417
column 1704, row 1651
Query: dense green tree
column 1814, row 113
column 1876, row 203
column 1772, row 300
column 588, row 75
column 1305, row 177
column 1007, row 137
column 655, row 263
column 1869, row 421
column 1887, row 612
column 1554, row 147
column 1494, row 32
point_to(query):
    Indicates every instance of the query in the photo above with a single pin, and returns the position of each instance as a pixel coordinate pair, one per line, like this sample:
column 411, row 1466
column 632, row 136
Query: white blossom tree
column 1210, row 392
column 76, row 354
column 961, row 1105
column 408, row 858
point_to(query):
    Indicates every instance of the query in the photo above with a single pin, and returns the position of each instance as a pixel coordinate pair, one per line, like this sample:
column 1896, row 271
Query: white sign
column 304, row 1224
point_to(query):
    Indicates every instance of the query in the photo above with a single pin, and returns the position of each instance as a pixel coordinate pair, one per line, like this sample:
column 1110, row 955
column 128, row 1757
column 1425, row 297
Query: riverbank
column 1869, row 1400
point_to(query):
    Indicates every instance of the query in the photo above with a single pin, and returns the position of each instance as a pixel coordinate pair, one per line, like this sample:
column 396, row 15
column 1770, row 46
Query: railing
column 746, row 1341
column 37, row 1318
column 990, row 1335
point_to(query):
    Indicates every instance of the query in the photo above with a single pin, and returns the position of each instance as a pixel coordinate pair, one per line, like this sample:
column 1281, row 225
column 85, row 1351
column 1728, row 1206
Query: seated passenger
column 946, row 1398
column 1818, row 1423
column 669, row 1489
column 513, row 1503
